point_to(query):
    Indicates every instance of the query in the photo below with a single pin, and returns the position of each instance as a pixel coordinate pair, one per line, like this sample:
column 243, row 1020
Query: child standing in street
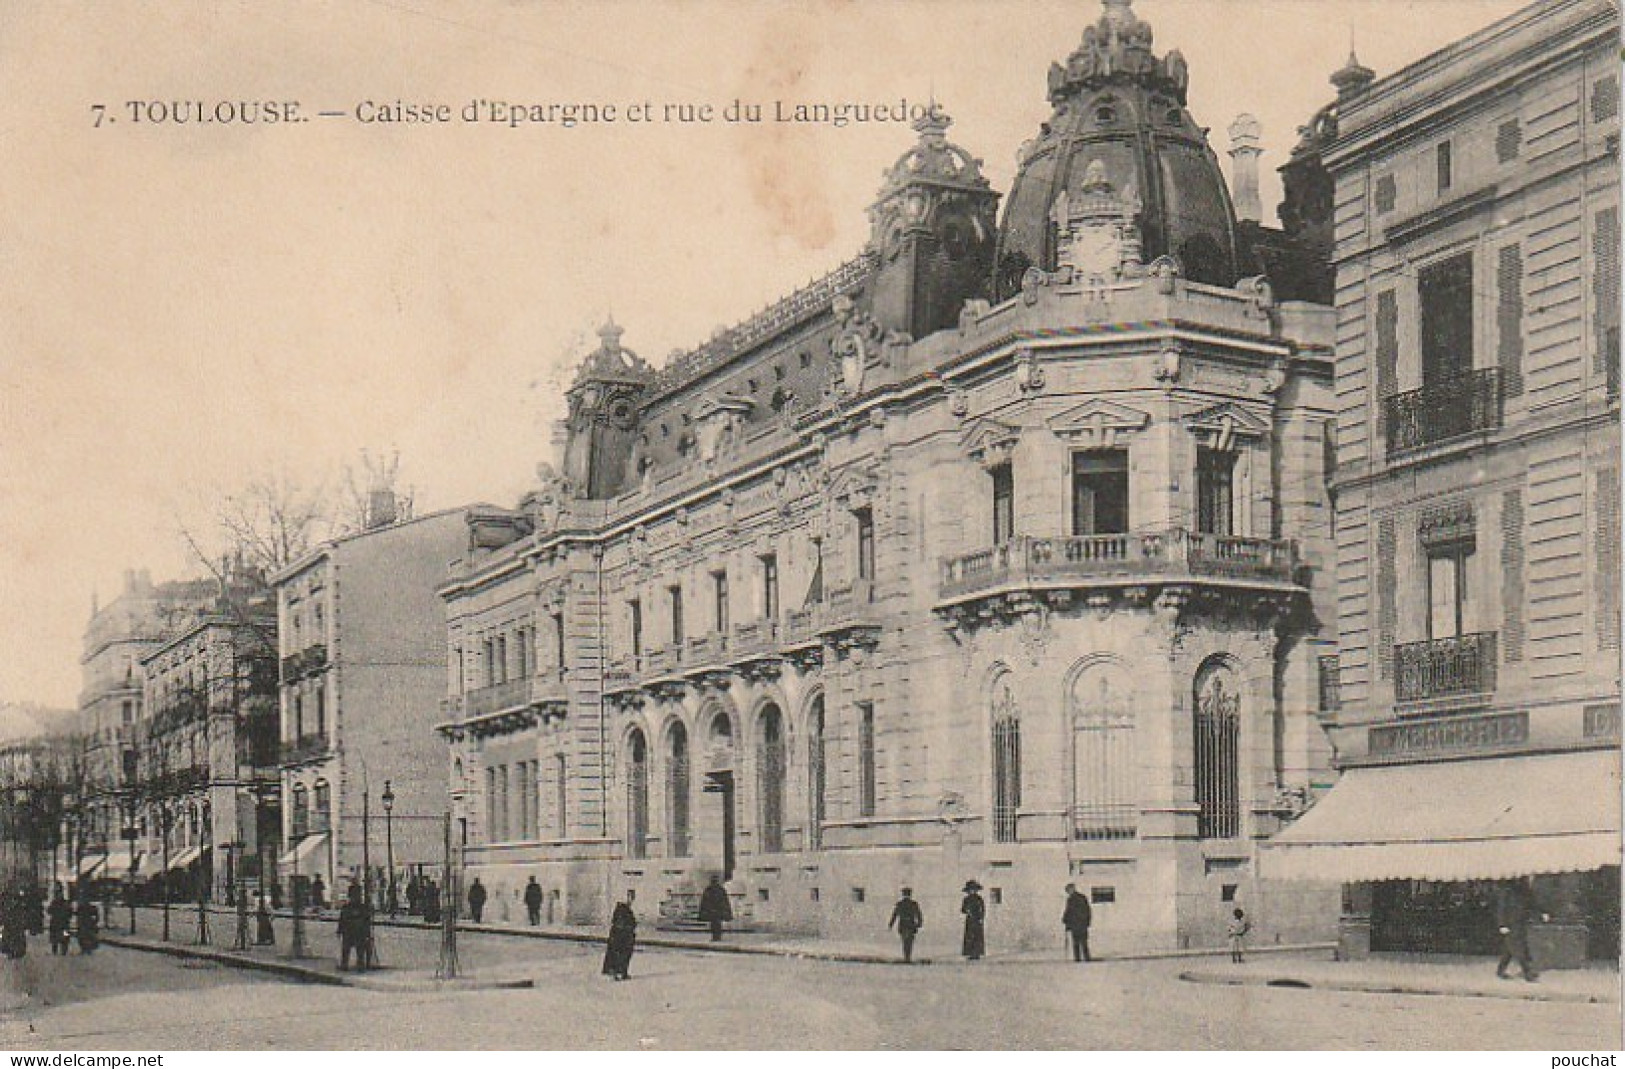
column 1239, row 927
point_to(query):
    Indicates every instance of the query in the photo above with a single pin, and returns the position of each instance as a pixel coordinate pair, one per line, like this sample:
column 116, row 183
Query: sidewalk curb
column 810, row 953
column 286, row 969
column 1522, row 992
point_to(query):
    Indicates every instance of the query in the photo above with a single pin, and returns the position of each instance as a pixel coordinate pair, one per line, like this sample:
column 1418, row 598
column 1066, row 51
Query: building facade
column 207, row 810
column 118, row 637
column 363, row 669
column 1473, row 198
column 1002, row 553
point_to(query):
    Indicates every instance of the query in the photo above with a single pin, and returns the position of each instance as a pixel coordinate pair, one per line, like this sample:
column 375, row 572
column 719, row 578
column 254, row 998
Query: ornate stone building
column 1000, row 552
column 1474, row 201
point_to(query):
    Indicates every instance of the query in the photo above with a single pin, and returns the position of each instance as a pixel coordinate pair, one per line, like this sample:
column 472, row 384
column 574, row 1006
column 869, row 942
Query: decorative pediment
column 1098, row 423
column 1220, row 426
column 989, row 442
column 719, row 422
column 1453, row 521
column 853, row 487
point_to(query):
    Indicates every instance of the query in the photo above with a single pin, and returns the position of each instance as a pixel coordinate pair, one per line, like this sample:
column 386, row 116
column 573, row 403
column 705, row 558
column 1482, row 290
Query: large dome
column 1119, row 104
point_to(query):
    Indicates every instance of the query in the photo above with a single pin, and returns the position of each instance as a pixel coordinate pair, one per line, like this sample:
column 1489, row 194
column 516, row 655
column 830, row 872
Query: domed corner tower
column 1118, row 104
column 932, row 228
column 601, row 426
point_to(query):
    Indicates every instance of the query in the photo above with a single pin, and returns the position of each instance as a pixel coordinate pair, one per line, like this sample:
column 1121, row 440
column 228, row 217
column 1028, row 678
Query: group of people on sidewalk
column 907, row 919
column 23, row 913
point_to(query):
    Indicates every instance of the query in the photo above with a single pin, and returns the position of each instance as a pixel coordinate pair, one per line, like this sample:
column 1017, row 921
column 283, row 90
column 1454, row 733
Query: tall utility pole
column 447, row 969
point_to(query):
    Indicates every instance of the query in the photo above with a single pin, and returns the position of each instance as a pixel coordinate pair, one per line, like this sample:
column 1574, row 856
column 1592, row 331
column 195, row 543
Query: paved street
column 686, row 999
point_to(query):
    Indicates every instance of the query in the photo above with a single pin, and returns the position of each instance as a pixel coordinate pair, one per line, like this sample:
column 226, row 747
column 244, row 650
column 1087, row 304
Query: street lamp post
column 388, row 799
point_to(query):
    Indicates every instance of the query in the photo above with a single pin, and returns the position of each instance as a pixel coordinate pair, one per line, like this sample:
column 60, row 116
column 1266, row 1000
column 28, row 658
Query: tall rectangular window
column 560, row 797
column 1215, row 492
column 1445, row 290
column 1443, row 161
column 1448, row 589
column 866, row 759
column 719, row 589
column 522, row 643
column 634, row 612
column 675, row 593
column 1100, row 492
column 502, row 659
column 489, row 647
column 1004, row 503
column 559, row 644
column 770, row 586
column 321, row 707
column 866, row 544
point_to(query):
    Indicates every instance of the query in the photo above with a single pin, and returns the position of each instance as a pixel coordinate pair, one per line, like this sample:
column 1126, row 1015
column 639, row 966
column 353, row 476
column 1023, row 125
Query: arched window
column 677, row 792
column 770, row 779
column 1217, row 724
column 637, row 796
column 1006, row 761
column 301, row 811
column 322, row 814
column 1104, row 805
column 815, row 773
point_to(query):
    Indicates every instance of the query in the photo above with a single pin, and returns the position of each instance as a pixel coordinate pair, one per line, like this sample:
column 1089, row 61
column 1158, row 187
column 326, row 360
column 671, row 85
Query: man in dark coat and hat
column 623, row 937
column 354, row 930
column 1075, row 919
column 533, row 902
column 14, row 924
column 908, row 920
column 975, row 911
column 715, row 907
column 476, row 900
column 59, row 914
column 1514, row 908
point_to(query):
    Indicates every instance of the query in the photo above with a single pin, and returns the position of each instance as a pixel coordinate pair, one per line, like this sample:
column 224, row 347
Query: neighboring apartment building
column 363, row 669
column 1477, row 229
column 206, row 750
column 119, row 635
column 1000, row 553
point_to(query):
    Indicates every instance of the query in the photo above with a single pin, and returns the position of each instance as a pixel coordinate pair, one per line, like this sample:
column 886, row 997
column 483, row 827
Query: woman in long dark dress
column 88, row 925
column 623, row 937
column 975, row 911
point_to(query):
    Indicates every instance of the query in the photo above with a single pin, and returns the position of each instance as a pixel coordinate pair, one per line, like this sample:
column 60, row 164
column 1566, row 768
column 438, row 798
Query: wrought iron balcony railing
column 1331, row 698
column 304, row 748
column 308, row 661
column 1104, row 821
column 1445, row 667
column 1443, row 411
column 1062, row 560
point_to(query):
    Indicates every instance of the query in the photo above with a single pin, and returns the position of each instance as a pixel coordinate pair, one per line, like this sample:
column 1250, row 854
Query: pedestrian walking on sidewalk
column 974, row 944
column 354, row 930
column 908, row 920
column 533, row 902
column 264, row 934
column 476, row 900
column 1514, row 908
column 715, row 909
column 1076, row 919
column 623, row 938
column 431, row 902
column 318, row 893
column 89, row 925
column 59, row 915
column 1239, row 927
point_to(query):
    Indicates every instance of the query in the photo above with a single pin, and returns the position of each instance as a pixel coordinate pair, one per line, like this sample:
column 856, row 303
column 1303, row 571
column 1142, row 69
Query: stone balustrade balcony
column 1059, row 562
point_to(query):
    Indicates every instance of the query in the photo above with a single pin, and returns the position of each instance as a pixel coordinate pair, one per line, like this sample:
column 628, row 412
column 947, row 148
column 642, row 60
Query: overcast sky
column 181, row 306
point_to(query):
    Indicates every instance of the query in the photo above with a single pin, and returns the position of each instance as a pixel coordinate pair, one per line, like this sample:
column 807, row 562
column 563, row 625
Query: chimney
column 1245, row 148
column 381, row 510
